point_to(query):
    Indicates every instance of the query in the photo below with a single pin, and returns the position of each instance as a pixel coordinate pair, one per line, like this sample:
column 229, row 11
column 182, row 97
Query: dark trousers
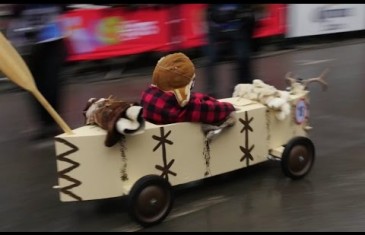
column 45, row 64
column 240, row 44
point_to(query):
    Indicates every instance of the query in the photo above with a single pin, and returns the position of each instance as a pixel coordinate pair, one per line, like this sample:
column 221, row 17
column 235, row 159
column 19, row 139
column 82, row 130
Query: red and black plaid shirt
column 161, row 107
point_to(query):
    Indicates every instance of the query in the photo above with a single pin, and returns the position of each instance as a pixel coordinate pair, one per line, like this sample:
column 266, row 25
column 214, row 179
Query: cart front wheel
column 150, row 200
column 298, row 157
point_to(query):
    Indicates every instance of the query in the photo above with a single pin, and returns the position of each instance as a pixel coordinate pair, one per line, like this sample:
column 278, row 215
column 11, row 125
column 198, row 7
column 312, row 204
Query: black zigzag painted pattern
column 62, row 174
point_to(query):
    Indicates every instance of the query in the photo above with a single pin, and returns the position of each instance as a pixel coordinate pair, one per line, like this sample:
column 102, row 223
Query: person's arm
column 198, row 95
column 206, row 109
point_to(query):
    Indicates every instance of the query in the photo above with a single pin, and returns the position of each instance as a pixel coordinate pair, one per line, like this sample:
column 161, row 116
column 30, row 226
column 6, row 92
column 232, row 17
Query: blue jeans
column 240, row 43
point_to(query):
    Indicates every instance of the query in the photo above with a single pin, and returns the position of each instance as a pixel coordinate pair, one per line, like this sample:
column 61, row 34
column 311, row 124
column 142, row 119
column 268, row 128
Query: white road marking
column 196, row 206
column 311, row 62
column 128, row 228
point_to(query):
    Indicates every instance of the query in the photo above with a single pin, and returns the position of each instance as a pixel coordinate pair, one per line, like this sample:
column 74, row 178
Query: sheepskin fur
column 268, row 95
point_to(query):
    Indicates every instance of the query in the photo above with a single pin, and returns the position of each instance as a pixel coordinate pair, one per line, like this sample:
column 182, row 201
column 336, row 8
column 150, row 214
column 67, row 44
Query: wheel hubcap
column 152, row 203
column 300, row 160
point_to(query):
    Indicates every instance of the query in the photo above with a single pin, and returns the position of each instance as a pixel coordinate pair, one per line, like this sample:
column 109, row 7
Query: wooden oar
column 14, row 67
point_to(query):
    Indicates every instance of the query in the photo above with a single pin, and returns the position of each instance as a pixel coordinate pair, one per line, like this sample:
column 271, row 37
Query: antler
column 289, row 78
column 317, row 79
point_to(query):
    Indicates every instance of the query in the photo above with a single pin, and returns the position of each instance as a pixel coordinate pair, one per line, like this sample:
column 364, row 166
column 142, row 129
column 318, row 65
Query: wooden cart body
column 178, row 152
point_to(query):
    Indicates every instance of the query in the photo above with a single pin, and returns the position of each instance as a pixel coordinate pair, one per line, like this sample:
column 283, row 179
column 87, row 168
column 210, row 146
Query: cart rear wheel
column 298, row 157
column 150, row 200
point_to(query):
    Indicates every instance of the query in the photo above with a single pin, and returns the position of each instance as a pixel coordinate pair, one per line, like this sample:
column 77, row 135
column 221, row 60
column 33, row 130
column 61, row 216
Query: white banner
column 317, row 19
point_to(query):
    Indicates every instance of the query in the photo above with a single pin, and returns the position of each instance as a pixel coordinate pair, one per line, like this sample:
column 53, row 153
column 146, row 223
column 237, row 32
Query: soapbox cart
column 147, row 165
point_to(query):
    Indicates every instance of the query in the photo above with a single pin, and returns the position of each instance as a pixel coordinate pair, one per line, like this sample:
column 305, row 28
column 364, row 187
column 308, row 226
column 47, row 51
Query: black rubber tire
column 298, row 157
column 150, row 200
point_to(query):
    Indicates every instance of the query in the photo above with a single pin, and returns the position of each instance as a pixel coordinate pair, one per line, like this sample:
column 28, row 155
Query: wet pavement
column 259, row 198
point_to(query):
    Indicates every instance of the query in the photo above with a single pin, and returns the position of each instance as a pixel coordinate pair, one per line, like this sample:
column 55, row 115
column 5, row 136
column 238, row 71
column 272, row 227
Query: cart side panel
column 86, row 168
column 179, row 153
column 281, row 131
column 242, row 145
column 172, row 151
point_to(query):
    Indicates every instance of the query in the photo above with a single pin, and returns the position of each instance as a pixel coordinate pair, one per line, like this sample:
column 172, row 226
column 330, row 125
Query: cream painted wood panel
column 178, row 152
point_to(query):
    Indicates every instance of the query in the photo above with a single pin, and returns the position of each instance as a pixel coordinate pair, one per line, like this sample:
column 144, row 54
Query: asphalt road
column 261, row 198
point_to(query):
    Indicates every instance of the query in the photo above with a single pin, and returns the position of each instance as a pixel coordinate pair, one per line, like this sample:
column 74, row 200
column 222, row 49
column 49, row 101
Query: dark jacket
column 225, row 17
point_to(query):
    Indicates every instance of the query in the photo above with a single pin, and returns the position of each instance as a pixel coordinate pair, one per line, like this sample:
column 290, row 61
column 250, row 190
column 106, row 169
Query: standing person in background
column 42, row 30
column 233, row 23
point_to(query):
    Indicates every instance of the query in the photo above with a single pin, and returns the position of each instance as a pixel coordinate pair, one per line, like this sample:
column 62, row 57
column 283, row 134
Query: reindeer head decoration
column 298, row 85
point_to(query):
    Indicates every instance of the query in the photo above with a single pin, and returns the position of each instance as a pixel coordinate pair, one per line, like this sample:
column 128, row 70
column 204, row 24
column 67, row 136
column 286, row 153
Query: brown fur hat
column 175, row 72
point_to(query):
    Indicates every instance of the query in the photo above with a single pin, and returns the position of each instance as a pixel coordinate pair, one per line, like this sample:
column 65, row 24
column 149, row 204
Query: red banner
column 104, row 33
column 273, row 22
column 194, row 25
